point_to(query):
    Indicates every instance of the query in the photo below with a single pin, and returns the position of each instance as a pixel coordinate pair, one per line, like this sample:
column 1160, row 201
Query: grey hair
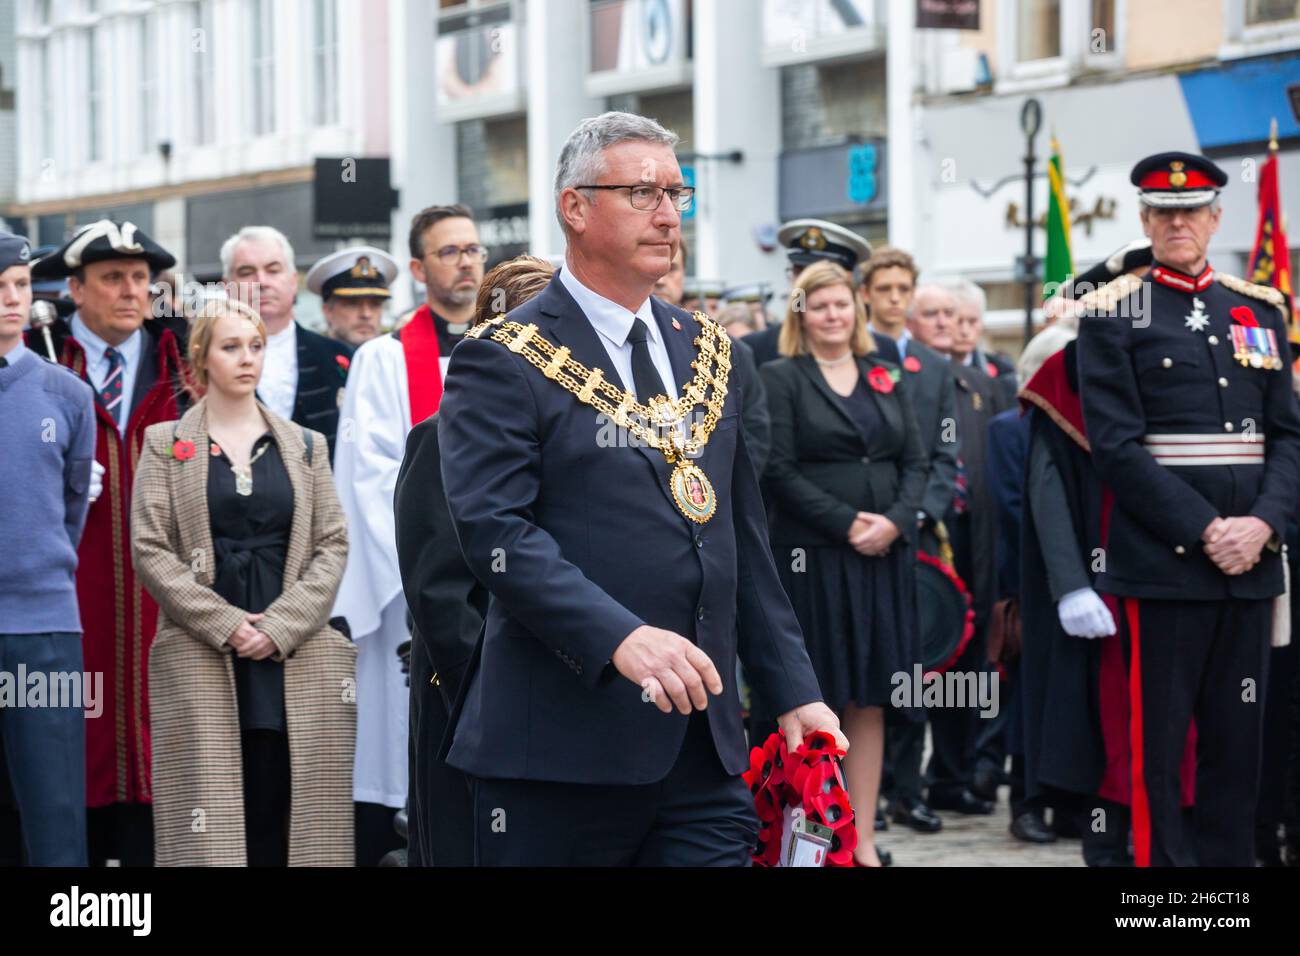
column 963, row 290
column 582, row 157
column 254, row 234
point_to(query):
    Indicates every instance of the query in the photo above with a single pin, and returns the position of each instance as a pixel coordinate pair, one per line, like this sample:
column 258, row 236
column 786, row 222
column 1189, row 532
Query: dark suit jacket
column 978, row 399
column 754, row 417
column 447, row 605
column 933, row 394
column 1001, row 370
column 579, row 543
column 1008, row 453
column 763, row 344
column 321, row 377
column 821, row 473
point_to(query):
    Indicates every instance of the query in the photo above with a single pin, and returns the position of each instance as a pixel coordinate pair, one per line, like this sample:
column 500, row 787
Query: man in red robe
column 134, row 365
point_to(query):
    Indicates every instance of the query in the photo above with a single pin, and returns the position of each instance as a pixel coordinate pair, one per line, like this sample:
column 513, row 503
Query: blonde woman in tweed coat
column 238, row 535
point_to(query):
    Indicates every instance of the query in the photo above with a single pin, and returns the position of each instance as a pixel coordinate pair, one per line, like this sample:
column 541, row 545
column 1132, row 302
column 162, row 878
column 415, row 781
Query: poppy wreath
column 968, row 626
column 808, row 778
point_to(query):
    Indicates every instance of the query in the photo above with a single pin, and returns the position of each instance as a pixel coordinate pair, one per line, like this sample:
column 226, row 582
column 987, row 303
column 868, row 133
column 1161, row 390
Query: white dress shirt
column 613, row 323
column 15, row 354
column 279, row 385
column 97, row 365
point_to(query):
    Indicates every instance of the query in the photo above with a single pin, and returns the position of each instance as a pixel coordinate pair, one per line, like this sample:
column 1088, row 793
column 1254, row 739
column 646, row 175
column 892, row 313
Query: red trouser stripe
column 1141, row 807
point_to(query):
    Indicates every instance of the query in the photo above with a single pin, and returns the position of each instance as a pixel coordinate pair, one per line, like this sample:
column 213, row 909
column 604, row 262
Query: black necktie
column 645, row 377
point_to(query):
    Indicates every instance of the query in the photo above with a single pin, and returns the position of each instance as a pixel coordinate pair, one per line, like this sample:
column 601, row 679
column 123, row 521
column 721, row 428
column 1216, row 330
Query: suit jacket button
column 699, row 614
column 1213, row 340
column 1227, row 426
column 866, row 460
column 1223, row 383
column 699, row 541
column 1167, row 362
column 1180, row 550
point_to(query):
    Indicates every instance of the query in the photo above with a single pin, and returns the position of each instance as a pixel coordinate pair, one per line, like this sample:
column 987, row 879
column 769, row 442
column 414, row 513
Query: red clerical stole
column 423, row 365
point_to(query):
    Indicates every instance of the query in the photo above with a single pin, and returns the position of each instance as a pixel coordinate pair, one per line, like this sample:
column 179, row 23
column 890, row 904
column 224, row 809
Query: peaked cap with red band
column 1177, row 179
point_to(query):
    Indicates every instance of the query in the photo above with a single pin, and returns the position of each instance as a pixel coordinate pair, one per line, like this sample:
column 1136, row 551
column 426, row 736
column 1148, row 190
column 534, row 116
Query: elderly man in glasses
column 602, row 492
column 394, row 383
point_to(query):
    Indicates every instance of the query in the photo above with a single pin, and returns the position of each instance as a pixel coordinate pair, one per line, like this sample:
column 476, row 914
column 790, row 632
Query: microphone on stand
column 43, row 314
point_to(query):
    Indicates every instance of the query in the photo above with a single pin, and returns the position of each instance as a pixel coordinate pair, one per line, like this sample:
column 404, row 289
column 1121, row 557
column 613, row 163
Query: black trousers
column 266, row 796
column 440, row 816
column 1205, row 661
column 121, row 832
column 698, row 815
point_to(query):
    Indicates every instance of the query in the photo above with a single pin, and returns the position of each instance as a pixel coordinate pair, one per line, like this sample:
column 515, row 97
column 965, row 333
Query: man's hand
column 96, row 482
column 808, row 718
column 668, row 668
column 1237, row 548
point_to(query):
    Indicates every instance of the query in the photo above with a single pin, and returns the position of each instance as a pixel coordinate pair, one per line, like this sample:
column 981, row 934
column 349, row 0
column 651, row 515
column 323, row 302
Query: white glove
column 1084, row 614
column 96, row 481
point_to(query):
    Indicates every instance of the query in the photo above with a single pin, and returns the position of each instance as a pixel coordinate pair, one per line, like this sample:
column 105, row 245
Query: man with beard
column 304, row 373
column 396, row 383
column 353, row 286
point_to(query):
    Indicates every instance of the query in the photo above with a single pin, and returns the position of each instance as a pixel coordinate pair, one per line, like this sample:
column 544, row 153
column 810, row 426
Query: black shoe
column 1029, row 827
column 915, row 814
column 1066, row 825
column 962, row 802
column 881, row 822
column 986, row 782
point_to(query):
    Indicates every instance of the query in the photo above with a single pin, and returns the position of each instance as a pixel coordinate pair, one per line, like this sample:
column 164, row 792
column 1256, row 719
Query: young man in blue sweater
column 47, row 431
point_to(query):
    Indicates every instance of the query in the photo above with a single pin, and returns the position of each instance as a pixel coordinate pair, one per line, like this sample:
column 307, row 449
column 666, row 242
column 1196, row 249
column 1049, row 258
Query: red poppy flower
column 912, row 363
column 344, row 363
column 843, row 842
column 1244, row 316
column 183, row 450
column 878, row 378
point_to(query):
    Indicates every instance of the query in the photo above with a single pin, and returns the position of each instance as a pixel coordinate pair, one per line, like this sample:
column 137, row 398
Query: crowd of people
column 480, row 569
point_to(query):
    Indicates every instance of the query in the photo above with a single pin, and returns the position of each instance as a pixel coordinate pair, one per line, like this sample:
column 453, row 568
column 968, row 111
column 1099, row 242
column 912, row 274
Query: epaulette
column 1105, row 298
column 478, row 331
column 1253, row 289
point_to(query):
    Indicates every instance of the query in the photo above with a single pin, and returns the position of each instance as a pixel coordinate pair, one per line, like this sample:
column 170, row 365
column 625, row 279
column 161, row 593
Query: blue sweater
column 47, row 442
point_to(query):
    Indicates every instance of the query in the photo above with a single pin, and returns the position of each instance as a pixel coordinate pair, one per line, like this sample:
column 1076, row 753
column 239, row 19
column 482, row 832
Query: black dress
column 250, row 535
column 858, row 613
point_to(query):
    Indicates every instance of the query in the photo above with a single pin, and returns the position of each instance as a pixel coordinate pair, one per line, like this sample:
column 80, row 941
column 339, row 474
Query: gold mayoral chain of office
column 661, row 424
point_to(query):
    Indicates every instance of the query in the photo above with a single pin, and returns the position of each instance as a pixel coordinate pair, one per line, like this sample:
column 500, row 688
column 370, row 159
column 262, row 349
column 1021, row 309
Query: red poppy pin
column 880, row 379
column 677, row 325
column 912, row 363
column 344, row 363
column 215, row 450
column 183, row 450
column 1242, row 315
column 991, row 369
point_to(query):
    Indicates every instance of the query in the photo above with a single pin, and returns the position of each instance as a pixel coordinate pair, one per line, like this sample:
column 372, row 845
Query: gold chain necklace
column 660, row 424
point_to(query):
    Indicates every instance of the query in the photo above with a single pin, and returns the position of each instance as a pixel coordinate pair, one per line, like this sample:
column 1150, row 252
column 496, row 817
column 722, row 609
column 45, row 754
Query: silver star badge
column 1198, row 320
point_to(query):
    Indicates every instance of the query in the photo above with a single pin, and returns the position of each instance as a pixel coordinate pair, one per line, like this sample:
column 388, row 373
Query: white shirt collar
column 95, row 347
column 284, row 338
column 610, row 319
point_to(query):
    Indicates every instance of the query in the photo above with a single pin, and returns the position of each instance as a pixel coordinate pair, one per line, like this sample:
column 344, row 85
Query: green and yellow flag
column 1058, row 265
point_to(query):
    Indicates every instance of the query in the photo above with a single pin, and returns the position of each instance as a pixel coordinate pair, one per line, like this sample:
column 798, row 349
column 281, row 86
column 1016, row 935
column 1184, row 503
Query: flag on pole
column 1270, row 261
column 1058, row 266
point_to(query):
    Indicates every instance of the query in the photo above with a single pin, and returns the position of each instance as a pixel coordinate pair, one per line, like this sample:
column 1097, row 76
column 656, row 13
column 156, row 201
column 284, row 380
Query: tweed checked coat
column 197, row 766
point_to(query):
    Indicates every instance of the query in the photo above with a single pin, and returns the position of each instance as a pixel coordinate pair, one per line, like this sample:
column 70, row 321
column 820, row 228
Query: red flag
column 1270, row 261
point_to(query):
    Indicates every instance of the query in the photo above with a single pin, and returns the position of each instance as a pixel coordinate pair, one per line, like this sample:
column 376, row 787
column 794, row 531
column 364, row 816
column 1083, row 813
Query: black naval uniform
column 1156, row 358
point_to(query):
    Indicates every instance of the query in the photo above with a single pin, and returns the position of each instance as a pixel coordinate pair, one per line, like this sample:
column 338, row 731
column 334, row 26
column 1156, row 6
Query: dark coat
column 821, row 472
column 447, row 605
column 754, row 417
column 1008, row 454
column 580, row 543
column 321, row 378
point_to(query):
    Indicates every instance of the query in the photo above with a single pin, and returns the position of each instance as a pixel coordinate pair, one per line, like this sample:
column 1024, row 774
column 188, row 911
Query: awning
column 1232, row 104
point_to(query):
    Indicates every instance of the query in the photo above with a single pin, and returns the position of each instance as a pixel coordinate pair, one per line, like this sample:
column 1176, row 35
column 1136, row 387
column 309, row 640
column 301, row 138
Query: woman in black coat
column 845, row 476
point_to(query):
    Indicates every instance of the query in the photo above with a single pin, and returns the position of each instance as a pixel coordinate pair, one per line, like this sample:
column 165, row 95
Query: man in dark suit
column 618, row 602
column 888, row 284
column 966, row 334
column 303, row 373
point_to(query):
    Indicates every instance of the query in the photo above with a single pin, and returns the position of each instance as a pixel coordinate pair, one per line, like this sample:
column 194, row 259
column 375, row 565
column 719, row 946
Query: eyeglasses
column 450, row 255
column 646, row 197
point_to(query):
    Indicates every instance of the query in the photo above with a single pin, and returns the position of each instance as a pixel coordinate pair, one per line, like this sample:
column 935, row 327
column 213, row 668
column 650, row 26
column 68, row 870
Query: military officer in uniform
column 808, row 241
column 1187, row 398
column 353, row 286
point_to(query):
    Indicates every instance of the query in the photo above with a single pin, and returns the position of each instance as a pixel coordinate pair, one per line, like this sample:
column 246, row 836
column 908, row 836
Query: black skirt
column 859, row 620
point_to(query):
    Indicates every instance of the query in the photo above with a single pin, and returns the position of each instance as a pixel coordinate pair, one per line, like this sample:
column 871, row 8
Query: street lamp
column 1031, row 119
